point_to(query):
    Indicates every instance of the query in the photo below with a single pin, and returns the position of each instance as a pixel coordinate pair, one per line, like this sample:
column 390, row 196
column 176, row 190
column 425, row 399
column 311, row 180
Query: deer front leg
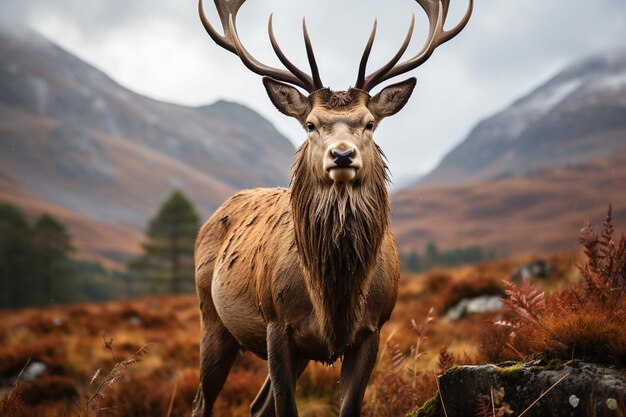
column 263, row 404
column 282, row 363
column 357, row 367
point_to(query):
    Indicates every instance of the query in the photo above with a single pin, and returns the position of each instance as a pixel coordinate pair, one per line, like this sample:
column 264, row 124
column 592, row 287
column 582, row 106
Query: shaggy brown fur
column 337, row 230
column 304, row 273
column 339, row 100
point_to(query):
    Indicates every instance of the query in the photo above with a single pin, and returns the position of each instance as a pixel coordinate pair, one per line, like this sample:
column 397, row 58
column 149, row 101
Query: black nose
column 342, row 158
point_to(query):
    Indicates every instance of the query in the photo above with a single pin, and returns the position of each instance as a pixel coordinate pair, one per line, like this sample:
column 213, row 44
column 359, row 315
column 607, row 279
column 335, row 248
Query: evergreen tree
column 410, row 262
column 432, row 255
column 168, row 252
column 414, row 262
column 55, row 272
column 35, row 267
column 15, row 258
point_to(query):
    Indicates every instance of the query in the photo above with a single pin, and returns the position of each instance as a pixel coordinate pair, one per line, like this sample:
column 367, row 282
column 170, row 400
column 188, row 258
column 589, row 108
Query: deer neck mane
column 339, row 231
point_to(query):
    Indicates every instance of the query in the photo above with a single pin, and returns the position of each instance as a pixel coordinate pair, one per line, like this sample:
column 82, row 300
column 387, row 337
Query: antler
column 227, row 11
column 437, row 12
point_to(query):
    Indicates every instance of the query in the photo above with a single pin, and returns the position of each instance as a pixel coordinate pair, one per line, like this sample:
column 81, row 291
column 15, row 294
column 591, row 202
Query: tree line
column 432, row 256
column 37, row 268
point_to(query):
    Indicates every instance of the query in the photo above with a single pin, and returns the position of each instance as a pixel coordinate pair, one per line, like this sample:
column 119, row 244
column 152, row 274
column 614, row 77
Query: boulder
column 575, row 389
column 476, row 305
column 538, row 269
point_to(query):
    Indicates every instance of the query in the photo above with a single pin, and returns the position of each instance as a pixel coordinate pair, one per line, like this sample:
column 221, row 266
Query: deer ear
column 287, row 99
column 392, row 99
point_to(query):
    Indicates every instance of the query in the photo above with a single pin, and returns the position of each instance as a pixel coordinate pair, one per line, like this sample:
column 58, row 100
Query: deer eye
column 369, row 126
column 310, row 127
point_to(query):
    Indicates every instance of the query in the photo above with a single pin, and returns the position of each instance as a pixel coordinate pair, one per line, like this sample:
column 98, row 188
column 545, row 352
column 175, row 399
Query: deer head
column 340, row 124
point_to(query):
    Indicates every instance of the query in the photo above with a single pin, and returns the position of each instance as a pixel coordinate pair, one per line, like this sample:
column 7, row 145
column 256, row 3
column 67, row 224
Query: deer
column 309, row 272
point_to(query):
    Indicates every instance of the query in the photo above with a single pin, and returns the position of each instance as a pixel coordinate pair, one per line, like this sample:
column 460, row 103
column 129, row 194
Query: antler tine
column 317, row 81
column 227, row 10
column 375, row 78
column 446, row 7
column 360, row 80
column 255, row 66
column 285, row 61
column 436, row 22
column 460, row 26
column 437, row 13
column 222, row 40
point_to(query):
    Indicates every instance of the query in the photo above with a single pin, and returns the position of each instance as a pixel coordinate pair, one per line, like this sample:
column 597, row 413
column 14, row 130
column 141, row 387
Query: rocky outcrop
column 575, row 389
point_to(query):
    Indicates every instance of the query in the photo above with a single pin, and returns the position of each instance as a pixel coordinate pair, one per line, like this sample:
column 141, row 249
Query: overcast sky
column 159, row 48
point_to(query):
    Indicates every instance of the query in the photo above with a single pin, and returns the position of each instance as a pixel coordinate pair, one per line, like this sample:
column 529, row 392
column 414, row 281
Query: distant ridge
column 75, row 141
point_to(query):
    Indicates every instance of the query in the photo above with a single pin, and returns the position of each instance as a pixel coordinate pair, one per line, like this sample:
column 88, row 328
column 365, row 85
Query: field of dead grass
column 80, row 346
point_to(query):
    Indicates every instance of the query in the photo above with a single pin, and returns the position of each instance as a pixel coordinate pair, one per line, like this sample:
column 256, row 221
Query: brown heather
column 171, row 364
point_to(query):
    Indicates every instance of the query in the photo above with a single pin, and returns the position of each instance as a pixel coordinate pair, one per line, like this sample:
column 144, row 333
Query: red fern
column 569, row 300
column 446, row 360
column 591, row 244
column 605, row 268
column 396, row 356
column 527, row 302
column 582, row 323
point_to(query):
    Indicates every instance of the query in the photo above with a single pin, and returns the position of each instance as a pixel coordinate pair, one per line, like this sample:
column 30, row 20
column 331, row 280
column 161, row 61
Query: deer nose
column 342, row 158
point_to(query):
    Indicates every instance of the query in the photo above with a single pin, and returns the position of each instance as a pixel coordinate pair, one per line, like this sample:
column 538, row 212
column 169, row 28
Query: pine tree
column 52, row 246
column 415, row 263
column 15, row 257
column 432, row 255
column 411, row 262
column 168, row 252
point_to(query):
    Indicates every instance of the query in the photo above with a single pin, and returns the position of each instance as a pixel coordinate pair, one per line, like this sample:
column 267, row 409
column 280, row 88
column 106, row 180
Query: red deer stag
column 309, row 272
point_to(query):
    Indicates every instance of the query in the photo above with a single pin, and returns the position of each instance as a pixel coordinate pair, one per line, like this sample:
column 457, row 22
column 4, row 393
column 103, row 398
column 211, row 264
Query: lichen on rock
column 573, row 389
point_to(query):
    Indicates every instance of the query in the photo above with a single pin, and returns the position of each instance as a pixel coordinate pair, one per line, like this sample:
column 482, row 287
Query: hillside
column 538, row 213
column 76, row 143
column 579, row 115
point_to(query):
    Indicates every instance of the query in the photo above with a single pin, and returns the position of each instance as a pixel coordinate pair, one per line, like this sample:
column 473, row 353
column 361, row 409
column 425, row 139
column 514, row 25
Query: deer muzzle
column 342, row 162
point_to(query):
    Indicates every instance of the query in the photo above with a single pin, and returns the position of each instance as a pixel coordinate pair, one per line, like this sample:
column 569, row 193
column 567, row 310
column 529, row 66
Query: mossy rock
column 431, row 408
column 575, row 389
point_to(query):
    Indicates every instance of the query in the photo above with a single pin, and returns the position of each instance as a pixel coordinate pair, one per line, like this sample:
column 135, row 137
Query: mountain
column 525, row 179
column 539, row 213
column 578, row 115
column 75, row 142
